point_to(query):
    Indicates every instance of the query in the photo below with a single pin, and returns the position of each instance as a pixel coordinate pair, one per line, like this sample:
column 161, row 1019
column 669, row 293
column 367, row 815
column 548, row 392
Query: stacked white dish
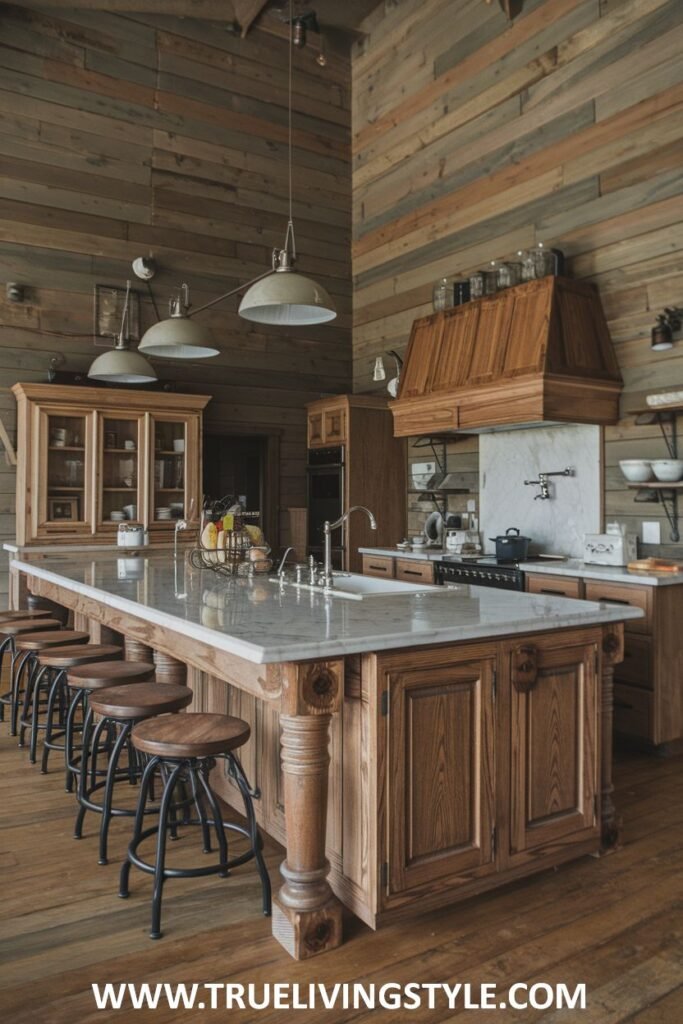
column 117, row 517
column 639, row 471
column 163, row 513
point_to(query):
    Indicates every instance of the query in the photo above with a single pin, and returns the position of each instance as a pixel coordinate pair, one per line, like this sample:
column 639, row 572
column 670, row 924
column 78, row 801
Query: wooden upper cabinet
column 439, row 769
column 423, row 355
column 85, row 453
column 327, row 424
column 453, row 361
column 553, row 742
column 528, row 329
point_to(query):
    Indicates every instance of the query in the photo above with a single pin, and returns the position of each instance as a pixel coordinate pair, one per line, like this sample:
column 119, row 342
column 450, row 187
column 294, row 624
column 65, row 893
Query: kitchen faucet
column 328, row 527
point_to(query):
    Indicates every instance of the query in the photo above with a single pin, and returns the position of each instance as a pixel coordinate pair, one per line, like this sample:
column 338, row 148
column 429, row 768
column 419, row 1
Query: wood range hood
column 534, row 354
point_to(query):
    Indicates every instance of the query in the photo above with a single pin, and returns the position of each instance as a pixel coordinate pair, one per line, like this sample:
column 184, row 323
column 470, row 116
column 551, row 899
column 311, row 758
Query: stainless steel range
column 486, row 571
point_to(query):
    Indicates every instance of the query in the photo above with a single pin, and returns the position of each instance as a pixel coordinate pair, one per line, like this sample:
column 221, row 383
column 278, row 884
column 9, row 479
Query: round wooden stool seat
column 141, row 700
column 25, row 613
column 18, row 626
column 109, row 673
column 38, row 640
column 77, row 654
column 192, row 735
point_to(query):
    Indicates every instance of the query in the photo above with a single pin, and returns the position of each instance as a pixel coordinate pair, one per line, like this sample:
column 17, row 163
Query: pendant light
column 286, row 297
column 121, row 365
column 279, row 296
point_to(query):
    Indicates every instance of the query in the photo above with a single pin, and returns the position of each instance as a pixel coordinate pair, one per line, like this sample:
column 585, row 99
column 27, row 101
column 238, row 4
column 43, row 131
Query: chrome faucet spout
column 327, row 530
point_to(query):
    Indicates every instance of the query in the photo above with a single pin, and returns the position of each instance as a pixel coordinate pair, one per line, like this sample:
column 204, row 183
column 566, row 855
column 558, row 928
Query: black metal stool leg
column 255, row 835
column 5, row 646
column 25, row 668
column 83, row 773
column 40, row 676
column 79, row 698
column 145, row 785
column 159, row 876
column 54, row 695
column 201, row 814
column 217, row 821
column 102, row 726
column 120, row 743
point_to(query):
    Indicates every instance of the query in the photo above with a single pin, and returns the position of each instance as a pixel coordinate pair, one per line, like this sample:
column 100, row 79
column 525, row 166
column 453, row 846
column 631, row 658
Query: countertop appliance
column 616, row 547
column 325, row 471
column 131, row 535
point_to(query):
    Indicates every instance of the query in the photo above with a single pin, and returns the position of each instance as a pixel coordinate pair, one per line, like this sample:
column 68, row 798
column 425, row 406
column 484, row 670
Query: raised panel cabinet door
column 334, row 425
column 315, row 430
column 422, row 355
column 553, row 742
column 440, row 773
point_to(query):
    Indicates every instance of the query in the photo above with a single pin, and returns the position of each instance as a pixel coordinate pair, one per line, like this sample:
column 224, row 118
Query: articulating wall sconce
column 668, row 322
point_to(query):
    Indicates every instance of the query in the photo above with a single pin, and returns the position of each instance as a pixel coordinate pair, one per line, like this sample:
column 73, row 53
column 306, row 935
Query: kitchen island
column 408, row 750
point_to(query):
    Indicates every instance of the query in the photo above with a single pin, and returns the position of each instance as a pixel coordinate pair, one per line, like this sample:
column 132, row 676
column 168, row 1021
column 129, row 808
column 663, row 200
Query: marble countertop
column 569, row 567
column 423, row 555
column 255, row 620
column 608, row 573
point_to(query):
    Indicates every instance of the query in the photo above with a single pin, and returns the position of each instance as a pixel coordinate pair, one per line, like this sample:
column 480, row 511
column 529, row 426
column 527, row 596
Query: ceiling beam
column 213, row 10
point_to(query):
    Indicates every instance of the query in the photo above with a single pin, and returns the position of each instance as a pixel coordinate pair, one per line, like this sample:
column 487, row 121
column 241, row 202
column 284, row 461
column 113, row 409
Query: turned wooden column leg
column 169, row 670
column 307, row 916
column 136, row 651
column 612, row 654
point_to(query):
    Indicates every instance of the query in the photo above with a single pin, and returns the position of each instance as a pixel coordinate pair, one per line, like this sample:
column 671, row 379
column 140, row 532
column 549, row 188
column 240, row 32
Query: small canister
column 476, row 285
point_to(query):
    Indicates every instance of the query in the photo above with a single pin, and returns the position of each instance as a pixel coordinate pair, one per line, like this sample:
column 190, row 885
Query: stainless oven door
column 326, row 502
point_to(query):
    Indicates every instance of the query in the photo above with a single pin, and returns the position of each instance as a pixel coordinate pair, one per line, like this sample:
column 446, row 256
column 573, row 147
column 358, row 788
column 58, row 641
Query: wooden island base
column 409, row 779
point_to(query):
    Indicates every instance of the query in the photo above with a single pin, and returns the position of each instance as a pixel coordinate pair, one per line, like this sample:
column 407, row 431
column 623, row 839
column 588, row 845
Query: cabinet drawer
column 632, row 710
column 555, row 586
column 616, row 593
column 377, row 565
column 412, row 571
column 636, row 668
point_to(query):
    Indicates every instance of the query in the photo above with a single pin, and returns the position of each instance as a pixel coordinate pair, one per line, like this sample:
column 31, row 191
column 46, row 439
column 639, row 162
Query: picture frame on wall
column 62, row 510
column 108, row 306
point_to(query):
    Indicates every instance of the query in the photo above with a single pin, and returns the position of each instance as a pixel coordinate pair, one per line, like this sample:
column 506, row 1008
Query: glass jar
column 491, row 281
column 544, row 260
column 442, row 295
column 509, row 274
column 476, row 285
column 528, row 265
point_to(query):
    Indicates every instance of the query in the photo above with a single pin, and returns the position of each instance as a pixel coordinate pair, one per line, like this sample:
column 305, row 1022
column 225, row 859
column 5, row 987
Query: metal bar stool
column 7, row 642
column 186, row 748
column 82, row 681
column 55, row 662
column 10, row 630
column 120, row 707
column 35, row 697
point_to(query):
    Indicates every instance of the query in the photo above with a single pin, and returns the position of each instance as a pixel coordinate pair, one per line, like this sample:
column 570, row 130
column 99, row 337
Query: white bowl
column 668, row 470
column 637, row 471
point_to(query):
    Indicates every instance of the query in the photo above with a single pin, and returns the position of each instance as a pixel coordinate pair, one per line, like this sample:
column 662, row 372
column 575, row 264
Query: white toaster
column 609, row 548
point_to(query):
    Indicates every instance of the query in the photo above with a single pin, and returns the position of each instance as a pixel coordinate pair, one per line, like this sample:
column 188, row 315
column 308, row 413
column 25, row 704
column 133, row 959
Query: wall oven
column 325, row 471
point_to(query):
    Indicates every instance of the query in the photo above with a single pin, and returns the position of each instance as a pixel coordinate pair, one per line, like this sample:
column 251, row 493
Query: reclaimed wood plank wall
column 474, row 137
column 127, row 135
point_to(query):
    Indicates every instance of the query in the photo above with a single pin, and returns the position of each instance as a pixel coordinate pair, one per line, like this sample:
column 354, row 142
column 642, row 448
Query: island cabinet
column 648, row 695
column 453, row 768
column 89, row 458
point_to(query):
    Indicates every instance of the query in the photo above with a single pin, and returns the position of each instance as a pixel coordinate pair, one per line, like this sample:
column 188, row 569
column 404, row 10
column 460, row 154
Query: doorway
column 246, row 467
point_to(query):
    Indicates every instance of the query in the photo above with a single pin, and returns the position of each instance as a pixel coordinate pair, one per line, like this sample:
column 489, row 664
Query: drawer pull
column 412, row 572
column 613, row 600
column 556, row 593
column 380, row 568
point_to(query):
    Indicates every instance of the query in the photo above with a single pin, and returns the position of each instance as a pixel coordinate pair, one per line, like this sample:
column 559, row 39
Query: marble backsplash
column 508, row 458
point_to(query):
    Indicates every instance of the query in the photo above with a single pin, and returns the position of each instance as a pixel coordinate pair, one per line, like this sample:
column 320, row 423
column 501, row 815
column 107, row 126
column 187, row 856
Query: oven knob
column 489, row 575
column 498, row 576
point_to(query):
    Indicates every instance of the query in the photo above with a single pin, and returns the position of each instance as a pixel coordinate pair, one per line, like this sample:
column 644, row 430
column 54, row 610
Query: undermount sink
column 357, row 587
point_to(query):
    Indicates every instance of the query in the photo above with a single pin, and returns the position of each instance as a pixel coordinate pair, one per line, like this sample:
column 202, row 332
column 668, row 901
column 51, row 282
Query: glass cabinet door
column 169, row 484
column 67, row 480
column 120, row 441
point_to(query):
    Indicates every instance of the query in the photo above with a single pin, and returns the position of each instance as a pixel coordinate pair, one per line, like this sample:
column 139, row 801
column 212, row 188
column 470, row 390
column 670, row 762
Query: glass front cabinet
column 91, row 458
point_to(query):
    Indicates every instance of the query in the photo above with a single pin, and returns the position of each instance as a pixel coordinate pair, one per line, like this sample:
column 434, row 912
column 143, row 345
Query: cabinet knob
column 524, row 668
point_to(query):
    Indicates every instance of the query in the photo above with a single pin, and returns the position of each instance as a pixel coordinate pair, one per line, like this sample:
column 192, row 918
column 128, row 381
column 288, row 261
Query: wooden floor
column 615, row 924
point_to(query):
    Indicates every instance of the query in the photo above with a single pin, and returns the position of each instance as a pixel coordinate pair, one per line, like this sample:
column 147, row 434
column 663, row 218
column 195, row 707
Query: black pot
column 512, row 545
